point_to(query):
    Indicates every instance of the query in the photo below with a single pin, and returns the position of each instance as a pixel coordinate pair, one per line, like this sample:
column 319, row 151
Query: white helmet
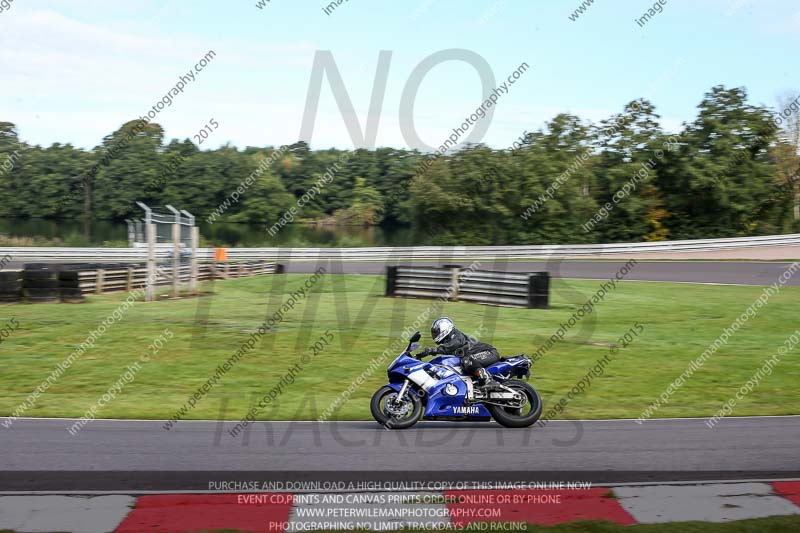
column 441, row 328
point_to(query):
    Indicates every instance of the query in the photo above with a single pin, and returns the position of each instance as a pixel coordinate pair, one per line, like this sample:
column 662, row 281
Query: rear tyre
column 392, row 415
column 518, row 417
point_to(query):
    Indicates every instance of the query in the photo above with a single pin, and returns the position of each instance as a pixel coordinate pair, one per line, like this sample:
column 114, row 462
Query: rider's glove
column 426, row 352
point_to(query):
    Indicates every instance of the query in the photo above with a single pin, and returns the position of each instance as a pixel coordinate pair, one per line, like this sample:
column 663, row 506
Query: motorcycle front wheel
column 515, row 417
column 392, row 414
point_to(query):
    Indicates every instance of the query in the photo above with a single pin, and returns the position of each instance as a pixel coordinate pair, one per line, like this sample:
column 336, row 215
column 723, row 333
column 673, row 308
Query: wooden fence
column 101, row 280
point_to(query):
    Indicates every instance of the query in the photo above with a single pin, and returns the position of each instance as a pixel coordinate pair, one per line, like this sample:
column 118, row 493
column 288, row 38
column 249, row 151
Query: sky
column 74, row 71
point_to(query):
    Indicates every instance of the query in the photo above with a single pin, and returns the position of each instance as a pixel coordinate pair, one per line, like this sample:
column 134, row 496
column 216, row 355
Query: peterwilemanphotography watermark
column 247, row 347
column 229, row 238
column 750, row 312
column 263, row 165
column 763, row 372
column 87, row 344
column 484, row 110
column 125, row 378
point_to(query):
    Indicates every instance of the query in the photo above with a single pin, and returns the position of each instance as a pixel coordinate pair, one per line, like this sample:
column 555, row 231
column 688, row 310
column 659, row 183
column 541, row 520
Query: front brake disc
column 394, row 409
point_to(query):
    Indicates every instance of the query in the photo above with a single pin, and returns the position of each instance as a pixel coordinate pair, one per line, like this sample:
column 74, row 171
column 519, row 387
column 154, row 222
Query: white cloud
column 69, row 81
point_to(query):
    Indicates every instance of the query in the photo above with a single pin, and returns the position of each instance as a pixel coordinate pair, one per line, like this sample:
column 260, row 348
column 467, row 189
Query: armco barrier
column 450, row 253
column 481, row 286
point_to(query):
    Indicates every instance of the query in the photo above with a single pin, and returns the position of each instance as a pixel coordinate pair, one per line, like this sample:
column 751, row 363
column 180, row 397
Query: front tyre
column 390, row 413
column 523, row 417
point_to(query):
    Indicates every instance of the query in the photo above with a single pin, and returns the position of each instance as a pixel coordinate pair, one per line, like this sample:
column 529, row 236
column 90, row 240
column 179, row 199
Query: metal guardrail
column 412, row 252
column 529, row 290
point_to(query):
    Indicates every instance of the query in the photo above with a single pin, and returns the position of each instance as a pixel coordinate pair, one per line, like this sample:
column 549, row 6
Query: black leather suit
column 473, row 353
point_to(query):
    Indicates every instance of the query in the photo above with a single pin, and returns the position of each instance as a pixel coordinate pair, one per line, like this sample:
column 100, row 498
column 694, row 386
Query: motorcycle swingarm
column 502, row 396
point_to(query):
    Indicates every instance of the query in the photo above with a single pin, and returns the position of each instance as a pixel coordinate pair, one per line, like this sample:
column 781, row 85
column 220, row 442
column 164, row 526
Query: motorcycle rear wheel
column 389, row 420
column 513, row 418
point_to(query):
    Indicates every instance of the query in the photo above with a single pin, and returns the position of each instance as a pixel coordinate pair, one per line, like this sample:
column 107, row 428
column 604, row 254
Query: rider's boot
column 486, row 382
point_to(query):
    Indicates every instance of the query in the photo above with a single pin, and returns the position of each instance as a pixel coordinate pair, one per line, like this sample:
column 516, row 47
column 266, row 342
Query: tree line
column 732, row 171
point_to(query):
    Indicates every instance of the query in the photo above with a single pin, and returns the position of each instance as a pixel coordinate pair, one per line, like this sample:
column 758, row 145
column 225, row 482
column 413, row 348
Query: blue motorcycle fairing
column 395, row 386
column 400, row 368
column 509, row 368
column 440, row 404
column 444, row 389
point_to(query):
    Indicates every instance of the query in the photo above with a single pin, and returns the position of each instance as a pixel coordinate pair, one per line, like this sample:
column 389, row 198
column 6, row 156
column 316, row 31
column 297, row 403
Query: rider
column 475, row 355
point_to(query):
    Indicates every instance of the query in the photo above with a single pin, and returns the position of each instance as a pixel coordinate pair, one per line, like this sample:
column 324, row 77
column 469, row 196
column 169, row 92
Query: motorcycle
column 437, row 390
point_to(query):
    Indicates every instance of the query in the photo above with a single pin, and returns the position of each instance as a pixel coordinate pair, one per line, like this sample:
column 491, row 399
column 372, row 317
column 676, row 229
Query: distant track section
column 748, row 247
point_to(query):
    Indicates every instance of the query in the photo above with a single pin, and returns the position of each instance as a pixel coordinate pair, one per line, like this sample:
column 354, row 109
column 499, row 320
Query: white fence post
column 150, row 282
column 193, row 269
column 176, row 259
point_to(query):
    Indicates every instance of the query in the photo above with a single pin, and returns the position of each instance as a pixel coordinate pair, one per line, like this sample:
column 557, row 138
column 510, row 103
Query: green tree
column 365, row 207
column 731, row 171
column 632, row 150
column 722, row 171
column 128, row 160
column 266, row 200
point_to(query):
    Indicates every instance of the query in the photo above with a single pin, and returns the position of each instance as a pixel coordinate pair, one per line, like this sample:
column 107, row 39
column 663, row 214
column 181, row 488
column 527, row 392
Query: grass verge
column 679, row 321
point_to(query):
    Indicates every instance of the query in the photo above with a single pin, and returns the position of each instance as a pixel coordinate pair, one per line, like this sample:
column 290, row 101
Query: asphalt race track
column 107, row 455
column 728, row 272
column 127, row 455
